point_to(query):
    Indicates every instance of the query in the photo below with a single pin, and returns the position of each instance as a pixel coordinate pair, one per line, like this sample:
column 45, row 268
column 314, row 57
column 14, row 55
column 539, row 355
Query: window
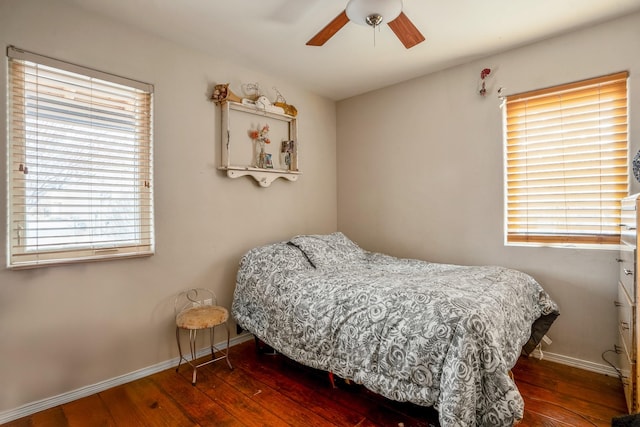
column 566, row 162
column 80, row 163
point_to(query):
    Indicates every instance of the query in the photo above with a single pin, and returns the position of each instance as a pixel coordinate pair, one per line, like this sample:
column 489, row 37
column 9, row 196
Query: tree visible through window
column 80, row 163
column 566, row 162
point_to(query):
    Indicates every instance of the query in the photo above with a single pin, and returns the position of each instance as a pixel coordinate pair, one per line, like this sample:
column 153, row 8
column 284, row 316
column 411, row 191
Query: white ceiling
column 271, row 34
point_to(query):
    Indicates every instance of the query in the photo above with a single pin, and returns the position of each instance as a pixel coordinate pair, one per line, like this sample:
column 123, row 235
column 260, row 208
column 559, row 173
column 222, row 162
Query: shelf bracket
column 263, row 177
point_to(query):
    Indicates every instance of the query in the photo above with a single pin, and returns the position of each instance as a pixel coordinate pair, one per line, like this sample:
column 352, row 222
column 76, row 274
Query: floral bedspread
column 432, row 334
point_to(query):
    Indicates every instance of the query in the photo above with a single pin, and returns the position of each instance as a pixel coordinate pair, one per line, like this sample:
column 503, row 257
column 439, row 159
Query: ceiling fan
column 373, row 13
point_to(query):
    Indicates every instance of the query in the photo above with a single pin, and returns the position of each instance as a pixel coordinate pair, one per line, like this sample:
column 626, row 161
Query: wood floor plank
column 350, row 401
column 556, row 413
column 568, row 373
column 301, row 387
column 399, row 413
column 588, row 409
column 302, row 409
column 571, row 381
column 556, row 402
column 244, row 408
column 90, row 411
column 533, row 419
column 53, row 417
column 202, row 409
column 20, row 422
column 142, row 403
column 121, row 407
column 269, row 398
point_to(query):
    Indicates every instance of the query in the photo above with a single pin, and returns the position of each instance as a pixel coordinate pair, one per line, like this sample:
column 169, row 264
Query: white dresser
column 627, row 347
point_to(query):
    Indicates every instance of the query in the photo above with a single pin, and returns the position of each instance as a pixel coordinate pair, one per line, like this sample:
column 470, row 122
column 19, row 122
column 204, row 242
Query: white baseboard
column 576, row 363
column 50, row 402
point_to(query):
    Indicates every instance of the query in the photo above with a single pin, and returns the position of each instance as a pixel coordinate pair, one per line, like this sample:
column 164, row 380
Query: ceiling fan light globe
column 359, row 10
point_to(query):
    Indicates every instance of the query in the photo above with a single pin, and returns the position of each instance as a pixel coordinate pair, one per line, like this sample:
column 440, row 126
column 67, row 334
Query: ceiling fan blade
column 408, row 34
column 327, row 32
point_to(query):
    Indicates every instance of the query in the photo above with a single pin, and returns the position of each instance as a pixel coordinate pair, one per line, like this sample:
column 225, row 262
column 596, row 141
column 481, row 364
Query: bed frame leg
column 263, row 348
column 332, row 380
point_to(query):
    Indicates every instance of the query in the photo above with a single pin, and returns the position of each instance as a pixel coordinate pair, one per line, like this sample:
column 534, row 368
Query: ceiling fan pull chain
column 374, row 20
column 374, row 36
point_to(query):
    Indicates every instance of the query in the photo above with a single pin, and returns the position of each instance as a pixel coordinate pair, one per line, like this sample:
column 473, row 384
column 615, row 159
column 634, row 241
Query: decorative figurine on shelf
column 222, row 93
column 282, row 103
column 286, row 152
column 263, row 103
column 483, row 75
column 251, row 91
column 260, row 138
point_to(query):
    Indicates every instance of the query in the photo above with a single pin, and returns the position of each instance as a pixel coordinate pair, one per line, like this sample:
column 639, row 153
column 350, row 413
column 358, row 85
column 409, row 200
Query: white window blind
column 80, row 163
column 566, row 162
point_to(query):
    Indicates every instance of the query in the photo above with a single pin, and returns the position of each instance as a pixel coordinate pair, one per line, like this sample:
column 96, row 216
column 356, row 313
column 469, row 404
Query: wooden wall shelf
column 264, row 176
column 239, row 152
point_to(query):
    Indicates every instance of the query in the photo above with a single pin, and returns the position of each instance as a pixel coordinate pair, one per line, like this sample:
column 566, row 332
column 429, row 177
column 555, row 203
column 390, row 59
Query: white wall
column 420, row 173
column 62, row 328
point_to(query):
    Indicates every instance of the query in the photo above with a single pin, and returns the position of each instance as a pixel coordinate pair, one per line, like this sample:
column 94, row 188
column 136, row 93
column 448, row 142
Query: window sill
column 603, row 247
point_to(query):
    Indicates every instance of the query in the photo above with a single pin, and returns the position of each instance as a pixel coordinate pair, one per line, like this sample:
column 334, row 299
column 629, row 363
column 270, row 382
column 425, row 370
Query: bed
column 432, row 334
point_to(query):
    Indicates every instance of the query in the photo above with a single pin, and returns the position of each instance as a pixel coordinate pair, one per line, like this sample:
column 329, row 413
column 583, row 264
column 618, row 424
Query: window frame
column 21, row 251
column 514, row 195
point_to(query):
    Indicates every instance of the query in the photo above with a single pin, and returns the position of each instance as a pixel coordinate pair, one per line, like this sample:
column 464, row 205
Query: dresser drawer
column 627, row 273
column 628, row 234
column 628, row 220
column 627, row 370
column 627, row 384
column 625, row 320
column 627, row 373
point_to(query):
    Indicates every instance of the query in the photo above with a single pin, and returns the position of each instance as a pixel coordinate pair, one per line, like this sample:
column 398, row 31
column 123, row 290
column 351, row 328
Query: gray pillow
column 327, row 250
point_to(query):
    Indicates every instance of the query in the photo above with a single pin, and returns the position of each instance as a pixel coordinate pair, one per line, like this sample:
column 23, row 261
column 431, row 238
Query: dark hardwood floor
column 266, row 390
